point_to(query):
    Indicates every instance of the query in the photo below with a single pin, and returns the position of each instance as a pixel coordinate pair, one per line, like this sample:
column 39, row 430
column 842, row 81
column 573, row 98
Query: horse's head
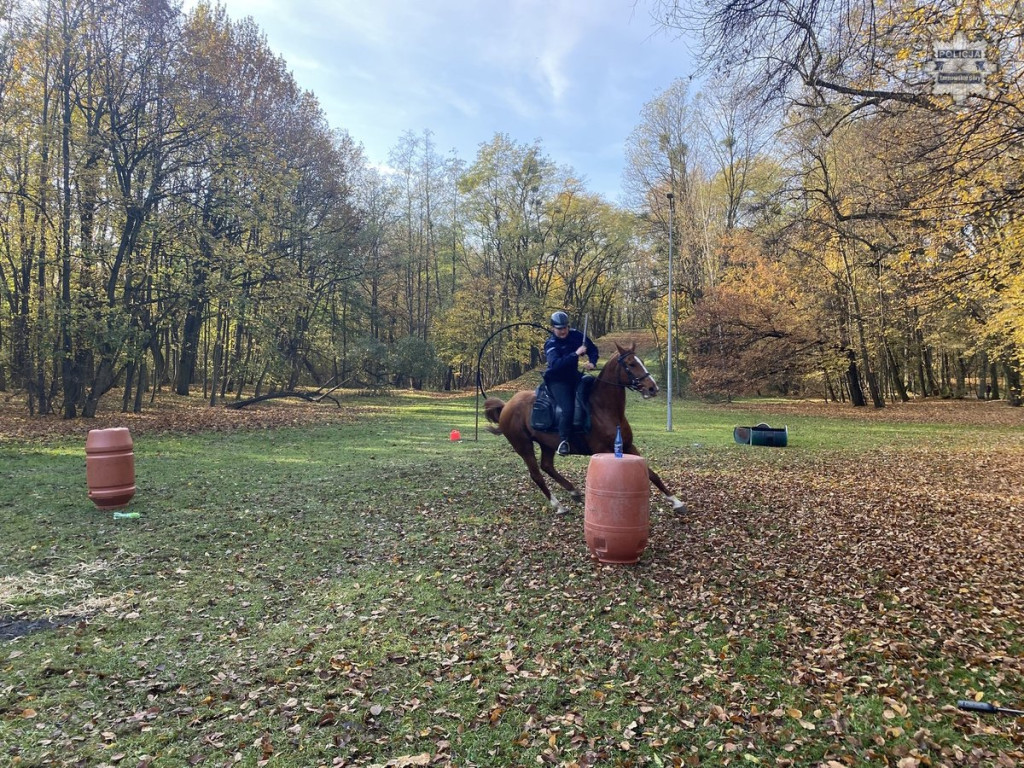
column 633, row 373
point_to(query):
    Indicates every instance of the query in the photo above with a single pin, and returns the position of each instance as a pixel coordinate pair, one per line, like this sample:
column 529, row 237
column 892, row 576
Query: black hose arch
column 480, row 357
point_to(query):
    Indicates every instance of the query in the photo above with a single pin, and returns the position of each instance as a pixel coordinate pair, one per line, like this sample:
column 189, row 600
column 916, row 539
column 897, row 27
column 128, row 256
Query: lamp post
column 668, row 374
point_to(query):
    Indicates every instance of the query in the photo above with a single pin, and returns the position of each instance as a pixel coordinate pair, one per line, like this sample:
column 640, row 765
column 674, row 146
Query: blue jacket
column 563, row 364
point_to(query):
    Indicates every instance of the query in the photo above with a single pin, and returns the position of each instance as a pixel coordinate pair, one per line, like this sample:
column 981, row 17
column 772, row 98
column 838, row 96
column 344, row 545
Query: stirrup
column 563, row 448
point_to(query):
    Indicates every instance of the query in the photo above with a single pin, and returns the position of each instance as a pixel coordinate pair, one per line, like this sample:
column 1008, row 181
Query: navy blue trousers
column 564, row 393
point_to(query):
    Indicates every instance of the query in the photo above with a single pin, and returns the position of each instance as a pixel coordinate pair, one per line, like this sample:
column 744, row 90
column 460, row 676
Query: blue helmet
column 559, row 319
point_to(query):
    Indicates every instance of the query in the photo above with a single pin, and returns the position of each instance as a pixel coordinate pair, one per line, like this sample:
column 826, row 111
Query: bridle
column 634, row 380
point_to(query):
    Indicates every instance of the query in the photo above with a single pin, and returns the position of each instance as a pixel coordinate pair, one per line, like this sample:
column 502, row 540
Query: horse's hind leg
column 531, row 464
column 547, row 463
column 677, row 505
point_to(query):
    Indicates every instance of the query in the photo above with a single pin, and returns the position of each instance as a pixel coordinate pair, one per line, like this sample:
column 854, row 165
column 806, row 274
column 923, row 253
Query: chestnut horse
column 607, row 411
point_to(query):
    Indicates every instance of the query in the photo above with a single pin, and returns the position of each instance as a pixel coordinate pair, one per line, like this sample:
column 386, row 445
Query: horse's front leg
column 547, row 463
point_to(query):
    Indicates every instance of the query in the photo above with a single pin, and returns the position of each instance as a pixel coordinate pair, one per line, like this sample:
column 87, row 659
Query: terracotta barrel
column 110, row 467
column 616, row 519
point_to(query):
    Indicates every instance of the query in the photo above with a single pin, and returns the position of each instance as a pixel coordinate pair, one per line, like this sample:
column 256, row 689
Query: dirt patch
column 12, row 627
column 646, row 343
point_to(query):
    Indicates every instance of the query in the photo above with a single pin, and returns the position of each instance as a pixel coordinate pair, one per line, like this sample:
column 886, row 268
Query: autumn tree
column 28, row 98
column 534, row 241
column 756, row 331
column 169, row 194
column 505, row 193
column 591, row 244
column 905, row 179
column 708, row 151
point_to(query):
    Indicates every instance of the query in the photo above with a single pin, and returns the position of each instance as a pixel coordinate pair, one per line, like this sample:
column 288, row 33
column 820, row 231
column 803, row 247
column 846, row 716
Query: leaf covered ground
column 365, row 592
column 172, row 414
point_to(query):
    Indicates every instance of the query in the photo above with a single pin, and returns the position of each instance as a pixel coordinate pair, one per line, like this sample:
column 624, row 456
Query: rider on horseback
column 563, row 350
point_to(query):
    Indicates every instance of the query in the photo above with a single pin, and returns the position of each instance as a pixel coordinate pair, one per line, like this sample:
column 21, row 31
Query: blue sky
column 573, row 74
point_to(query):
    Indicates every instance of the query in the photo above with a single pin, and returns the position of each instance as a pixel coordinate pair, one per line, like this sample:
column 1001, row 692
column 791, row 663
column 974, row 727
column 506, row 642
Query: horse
column 607, row 411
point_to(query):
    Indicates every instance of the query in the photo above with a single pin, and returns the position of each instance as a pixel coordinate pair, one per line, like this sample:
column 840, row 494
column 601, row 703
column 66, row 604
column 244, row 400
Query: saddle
column 544, row 417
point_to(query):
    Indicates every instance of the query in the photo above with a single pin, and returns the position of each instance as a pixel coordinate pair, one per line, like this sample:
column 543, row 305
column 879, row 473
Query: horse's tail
column 492, row 410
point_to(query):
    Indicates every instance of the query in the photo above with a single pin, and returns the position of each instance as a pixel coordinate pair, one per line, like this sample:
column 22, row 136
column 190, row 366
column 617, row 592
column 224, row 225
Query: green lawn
column 373, row 593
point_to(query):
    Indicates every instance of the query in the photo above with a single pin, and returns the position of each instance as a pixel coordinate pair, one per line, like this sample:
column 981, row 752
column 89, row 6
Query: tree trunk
column 70, row 375
column 129, row 379
column 960, row 371
column 922, row 377
column 896, row 377
column 140, row 387
column 190, row 341
column 929, row 370
column 102, row 380
column 869, row 374
column 218, row 359
column 857, row 398
column 1013, row 386
column 159, row 361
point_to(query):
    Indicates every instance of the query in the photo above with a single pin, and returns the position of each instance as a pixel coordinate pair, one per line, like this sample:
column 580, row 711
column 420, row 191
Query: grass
column 371, row 593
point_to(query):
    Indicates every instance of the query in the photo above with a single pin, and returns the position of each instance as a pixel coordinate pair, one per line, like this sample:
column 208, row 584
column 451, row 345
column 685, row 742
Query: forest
column 178, row 216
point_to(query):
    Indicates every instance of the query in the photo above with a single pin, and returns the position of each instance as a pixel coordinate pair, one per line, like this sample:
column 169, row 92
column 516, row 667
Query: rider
column 563, row 350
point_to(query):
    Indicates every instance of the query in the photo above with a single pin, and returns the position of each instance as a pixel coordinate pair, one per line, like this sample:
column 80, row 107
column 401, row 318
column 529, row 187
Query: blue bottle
column 618, row 442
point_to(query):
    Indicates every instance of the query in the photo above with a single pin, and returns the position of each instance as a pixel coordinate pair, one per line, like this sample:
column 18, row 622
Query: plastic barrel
column 761, row 434
column 776, row 437
column 110, row 467
column 616, row 519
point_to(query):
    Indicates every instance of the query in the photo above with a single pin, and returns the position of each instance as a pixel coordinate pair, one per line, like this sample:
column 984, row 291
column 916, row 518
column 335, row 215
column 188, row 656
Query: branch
column 312, row 398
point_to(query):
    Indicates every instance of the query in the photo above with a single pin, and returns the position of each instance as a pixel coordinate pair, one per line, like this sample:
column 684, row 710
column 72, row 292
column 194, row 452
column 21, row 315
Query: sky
column 571, row 74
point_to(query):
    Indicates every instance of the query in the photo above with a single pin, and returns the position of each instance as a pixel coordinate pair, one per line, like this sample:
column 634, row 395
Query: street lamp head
column 669, row 195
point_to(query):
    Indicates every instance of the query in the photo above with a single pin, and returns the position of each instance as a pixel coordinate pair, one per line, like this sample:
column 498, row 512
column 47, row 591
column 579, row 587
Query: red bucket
column 617, row 514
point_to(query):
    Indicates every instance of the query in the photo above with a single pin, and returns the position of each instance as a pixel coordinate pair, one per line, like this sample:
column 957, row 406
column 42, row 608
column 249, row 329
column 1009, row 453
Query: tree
column 737, row 131
column 706, row 152
column 504, row 194
column 143, row 134
column 755, row 331
column 27, row 97
column 904, row 182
